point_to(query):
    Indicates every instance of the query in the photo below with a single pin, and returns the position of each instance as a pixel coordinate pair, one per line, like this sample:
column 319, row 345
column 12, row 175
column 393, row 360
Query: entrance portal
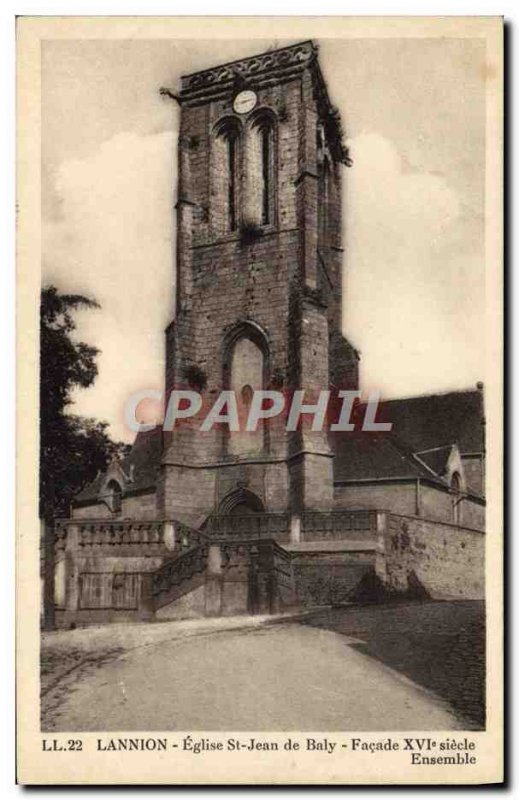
column 241, row 502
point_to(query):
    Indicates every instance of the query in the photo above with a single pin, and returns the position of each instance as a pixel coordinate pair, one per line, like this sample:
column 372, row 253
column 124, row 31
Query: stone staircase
column 255, row 563
column 235, row 567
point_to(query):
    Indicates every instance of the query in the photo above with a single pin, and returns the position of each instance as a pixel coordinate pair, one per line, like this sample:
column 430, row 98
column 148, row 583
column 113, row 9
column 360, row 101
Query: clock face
column 245, row 101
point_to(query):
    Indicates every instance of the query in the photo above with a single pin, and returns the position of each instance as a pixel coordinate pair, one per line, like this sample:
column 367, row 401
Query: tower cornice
column 269, row 68
column 250, row 71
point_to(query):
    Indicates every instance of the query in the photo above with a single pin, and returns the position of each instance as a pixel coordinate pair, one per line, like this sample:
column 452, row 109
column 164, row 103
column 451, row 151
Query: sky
column 413, row 112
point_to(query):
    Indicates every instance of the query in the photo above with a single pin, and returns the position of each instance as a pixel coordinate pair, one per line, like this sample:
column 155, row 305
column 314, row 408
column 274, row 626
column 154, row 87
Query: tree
column 73, row 449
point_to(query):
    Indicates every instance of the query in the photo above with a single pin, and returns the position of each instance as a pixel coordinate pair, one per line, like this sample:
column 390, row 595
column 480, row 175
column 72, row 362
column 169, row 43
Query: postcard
column 260, row 398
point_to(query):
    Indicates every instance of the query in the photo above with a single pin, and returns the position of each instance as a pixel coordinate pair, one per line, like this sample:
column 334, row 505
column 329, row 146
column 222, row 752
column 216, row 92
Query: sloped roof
column 141, row 463
column 438, row 420
column 91, row 490
column 431, row 423
column 361, row 455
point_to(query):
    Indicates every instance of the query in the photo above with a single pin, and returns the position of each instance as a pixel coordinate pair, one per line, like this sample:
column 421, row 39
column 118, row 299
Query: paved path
column 280, row 677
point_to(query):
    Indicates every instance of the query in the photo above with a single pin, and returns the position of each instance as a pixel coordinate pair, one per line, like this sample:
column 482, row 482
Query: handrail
column 179, row 569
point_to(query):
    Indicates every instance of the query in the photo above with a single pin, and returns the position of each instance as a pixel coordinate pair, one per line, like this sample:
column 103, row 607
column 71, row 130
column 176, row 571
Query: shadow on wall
column 370, row 589
column 439, row 645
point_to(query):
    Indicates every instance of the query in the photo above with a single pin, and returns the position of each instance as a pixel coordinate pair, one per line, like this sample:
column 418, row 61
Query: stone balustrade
column 163, row 537
column 120, row 533
column 341, row 524
column 145, row 535
column 268, row 525
column 313, row 525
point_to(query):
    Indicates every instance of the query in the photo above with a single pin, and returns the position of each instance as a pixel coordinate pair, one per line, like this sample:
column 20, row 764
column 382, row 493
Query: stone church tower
column 259, row 282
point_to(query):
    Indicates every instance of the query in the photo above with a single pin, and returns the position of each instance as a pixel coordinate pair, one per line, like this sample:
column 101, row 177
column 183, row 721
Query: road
column 286, row 676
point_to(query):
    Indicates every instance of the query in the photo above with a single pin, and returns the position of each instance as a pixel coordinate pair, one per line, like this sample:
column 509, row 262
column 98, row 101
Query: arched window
column 266, row 168
column 260, row 171
column 456, row 497
column 225, row 170
column 114, row 495
column 246, row 369
column 231, row 141
column 246, row 375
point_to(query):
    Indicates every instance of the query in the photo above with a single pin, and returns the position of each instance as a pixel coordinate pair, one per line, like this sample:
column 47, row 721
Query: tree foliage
column 72, row 448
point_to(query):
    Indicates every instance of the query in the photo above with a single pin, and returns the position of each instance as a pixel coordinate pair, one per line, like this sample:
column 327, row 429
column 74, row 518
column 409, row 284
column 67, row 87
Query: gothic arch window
column 246, row 366
column 261, row 169
column 114, row 495
column 225, row 171
column 266, row 169
column 231, row 142
column 246, row 376
column 456, row 489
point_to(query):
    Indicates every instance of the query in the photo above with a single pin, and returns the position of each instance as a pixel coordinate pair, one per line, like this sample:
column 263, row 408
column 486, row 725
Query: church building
column 195, row 523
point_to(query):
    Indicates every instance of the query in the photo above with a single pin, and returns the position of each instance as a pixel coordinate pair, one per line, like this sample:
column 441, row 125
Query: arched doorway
column 239, row 514
column 241, row 518
column 241, row 502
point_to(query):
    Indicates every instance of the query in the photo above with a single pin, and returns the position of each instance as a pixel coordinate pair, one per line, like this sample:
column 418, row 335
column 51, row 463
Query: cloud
column 414, row 276
column 113, row 239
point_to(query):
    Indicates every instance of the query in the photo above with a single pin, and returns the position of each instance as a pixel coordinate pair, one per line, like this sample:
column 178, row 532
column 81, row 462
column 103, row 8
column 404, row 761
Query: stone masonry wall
column 474, row 469
column 402, row 497
column 321, row 578
column 397, row 497
column 446, row 560
column 438, row 504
